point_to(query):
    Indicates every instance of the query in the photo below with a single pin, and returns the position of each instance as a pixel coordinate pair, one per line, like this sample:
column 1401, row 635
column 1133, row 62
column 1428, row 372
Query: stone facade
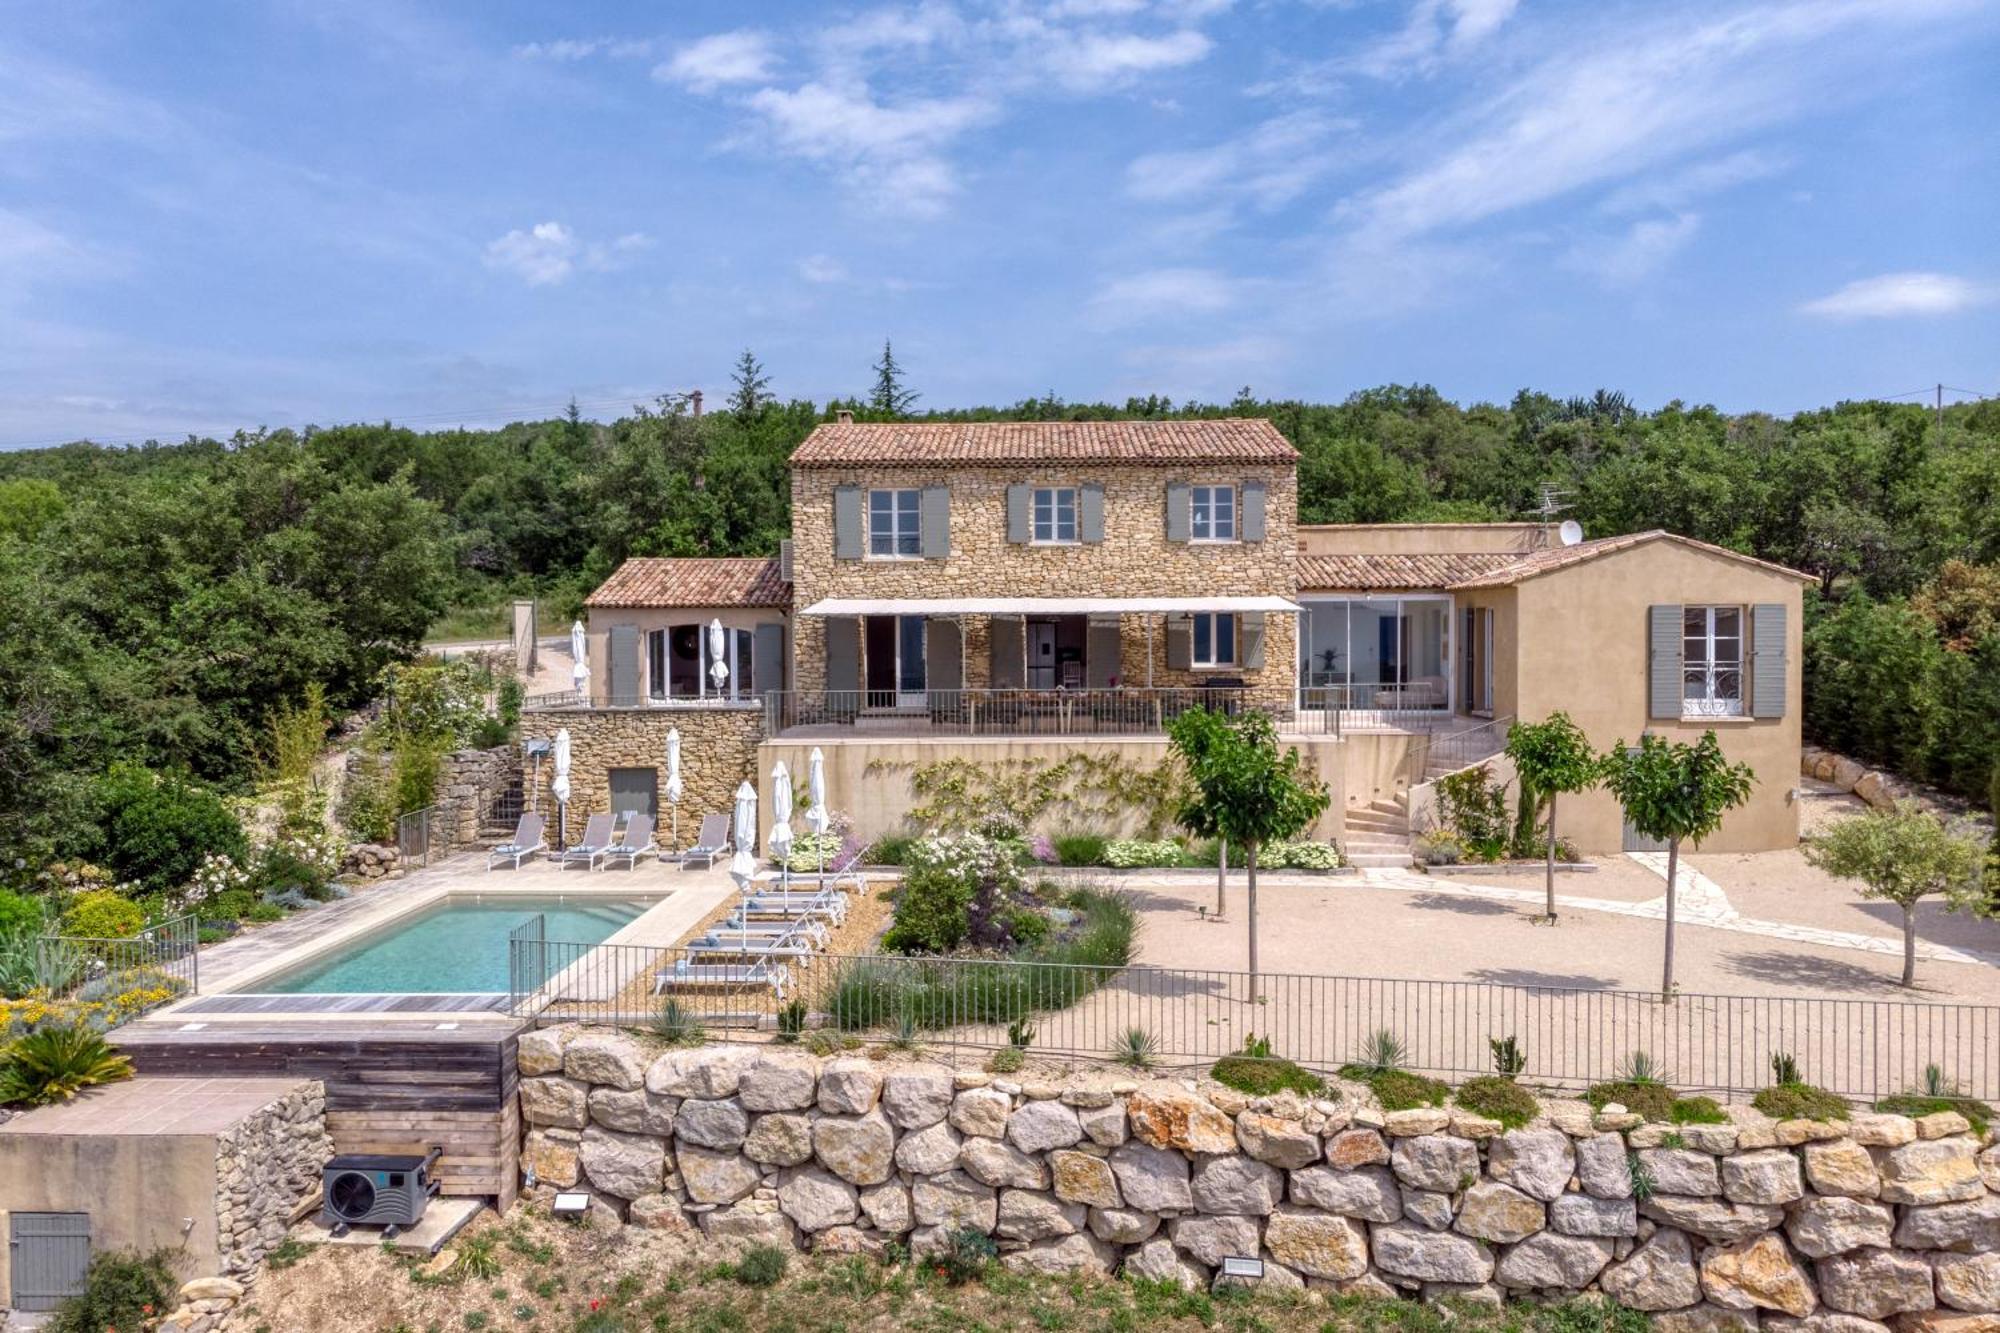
column 1135, row 559
column 264, row 1165
column 470, row 783
column 718, row 752
column 1848, row 1226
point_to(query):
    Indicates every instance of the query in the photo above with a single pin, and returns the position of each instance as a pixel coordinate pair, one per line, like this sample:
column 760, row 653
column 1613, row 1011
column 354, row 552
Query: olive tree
column 1552, row 757
column 1673, row 792
column 1902, row 856
column 1245, row 790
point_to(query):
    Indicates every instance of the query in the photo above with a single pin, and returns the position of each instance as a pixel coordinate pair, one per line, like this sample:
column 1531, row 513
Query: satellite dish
column 1571, row 532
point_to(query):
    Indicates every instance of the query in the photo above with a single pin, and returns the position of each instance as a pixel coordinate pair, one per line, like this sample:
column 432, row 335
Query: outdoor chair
column 594, row 845
column 762, row 972
column 637, row 842
column 712, row 842
column 526, row 842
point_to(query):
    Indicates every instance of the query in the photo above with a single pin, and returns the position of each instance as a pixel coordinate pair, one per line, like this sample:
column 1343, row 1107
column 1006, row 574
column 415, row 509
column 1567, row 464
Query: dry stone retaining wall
column 718, row 752
column 1846, row 1227
column 264, row 1165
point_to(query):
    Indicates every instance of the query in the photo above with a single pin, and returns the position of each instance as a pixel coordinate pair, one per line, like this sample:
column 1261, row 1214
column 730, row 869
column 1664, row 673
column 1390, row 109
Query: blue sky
column 216, row 214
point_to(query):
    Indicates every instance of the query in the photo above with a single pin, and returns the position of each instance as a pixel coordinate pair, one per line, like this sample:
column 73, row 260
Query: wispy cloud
column 1677, row 188
column 1162, row 293
column 1902, row 296
column 568, row 50
column 1269, row 166
column 822, row 269
column 1093, row 62
column 1636, row 253
column 548, row 253
column 722, row 60
column 891, row 152
column 1436, row 30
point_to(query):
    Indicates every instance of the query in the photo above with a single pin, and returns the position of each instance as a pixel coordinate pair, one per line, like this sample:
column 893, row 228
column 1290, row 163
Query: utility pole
column 1940, row 412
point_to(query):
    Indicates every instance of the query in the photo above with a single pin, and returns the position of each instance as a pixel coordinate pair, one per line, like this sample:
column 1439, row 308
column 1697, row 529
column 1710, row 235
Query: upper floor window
column 1214, row 638
column 1214, row 517
column 1055, row 513
column 1712, row 661
column 893, row 524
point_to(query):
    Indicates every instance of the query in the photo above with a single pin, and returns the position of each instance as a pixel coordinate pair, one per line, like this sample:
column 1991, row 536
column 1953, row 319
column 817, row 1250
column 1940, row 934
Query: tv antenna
column 1551, row 503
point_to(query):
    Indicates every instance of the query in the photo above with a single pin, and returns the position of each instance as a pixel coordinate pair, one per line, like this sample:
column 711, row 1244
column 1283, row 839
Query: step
column 1388, row 807
column 1378, row 860
column 1382, row 840
column 1399, row 829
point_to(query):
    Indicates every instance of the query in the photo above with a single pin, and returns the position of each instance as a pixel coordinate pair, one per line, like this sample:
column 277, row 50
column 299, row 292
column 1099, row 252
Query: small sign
column 1235, row 1265
column 577, row 1204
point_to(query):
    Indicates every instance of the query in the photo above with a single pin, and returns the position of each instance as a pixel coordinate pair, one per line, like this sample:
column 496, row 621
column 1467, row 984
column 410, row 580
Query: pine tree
column 889, row 395
column 752, row 387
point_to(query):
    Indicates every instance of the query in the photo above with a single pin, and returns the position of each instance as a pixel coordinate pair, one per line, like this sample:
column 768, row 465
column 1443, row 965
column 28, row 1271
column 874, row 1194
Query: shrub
column 1204, row 854
column 1648, row 1100
column 891, row 850
column 1260, row 1076
column 1304, row 856
column 1800, row 1101
column 154, row 829
column 53, row 1064
column 366, row 810
column 19, row 913
column 966, row 1255
column 1006, row 1060
column 1508, row 1057
column 1132, row 854
column 103, row 914
column 1915, row 1104
column 1398, row 1089
column 1499, row 1099
column 1697, row 1111
column 121, row 1289
column 1136, row 1048
column 1080, row 849
column 791, row 1022
column 1382, row 1052
column 808, row 848
column 677, row 1025
column 1438, row 847
column 1473, row 806
column 958, row 889
column 761, row 1266
column 414, row 769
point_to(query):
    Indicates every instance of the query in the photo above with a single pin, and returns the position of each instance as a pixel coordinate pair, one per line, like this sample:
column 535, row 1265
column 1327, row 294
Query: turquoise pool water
column 459, row 946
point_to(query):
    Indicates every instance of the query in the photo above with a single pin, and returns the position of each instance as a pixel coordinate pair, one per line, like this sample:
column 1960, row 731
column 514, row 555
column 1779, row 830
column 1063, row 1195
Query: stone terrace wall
column 264, row 1165
column 718, row 752
column 1795, row 1225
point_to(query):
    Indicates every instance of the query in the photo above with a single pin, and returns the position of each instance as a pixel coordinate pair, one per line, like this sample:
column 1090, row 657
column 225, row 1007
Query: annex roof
column 1385, row 573
column 1547, row 561
column 650, row 581
column 1133, row 443
column 1039, row 606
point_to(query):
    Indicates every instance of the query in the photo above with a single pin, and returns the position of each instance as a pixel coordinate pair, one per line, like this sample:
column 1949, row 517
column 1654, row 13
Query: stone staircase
column 1378, row 834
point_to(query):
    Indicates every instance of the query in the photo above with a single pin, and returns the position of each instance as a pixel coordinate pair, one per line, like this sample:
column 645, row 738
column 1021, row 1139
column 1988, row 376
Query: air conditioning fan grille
column 351, row 1196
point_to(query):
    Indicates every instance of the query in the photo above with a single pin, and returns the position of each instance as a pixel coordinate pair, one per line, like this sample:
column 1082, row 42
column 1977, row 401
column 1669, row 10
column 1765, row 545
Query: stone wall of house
column 1792, row 1225
column 265, row 1165
column 718, row 752
column 1135, row 558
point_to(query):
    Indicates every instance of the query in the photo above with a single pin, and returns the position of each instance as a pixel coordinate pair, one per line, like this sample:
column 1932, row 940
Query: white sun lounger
column 763, row 972
column 527, row 841
column 594, row 845
column 637, row 842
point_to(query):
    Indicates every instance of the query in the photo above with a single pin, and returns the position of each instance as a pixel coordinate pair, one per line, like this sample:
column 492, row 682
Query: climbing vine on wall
column 1081, row 791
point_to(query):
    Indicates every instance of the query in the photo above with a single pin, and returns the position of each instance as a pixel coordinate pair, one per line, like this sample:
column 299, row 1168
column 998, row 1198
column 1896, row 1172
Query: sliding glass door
column 1376, row 654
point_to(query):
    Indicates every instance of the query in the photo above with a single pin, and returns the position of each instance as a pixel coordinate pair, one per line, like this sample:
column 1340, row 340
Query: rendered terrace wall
column 1794, row 1224
column 718, row 751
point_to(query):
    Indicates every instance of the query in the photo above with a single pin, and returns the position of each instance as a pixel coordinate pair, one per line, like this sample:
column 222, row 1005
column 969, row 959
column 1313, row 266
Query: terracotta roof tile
column 1139, row 443
column 1562, row 557
column 648, row 581
column 1381, row 572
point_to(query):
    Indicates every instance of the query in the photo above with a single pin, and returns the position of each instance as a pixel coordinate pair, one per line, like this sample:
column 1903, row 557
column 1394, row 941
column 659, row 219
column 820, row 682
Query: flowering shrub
column 958, row 889
column 1302, row 856
column 103, row 914
column 1131, row 854
column 103, row 1003
column 1043, row 849
column 218, row 874
column 1438, row 847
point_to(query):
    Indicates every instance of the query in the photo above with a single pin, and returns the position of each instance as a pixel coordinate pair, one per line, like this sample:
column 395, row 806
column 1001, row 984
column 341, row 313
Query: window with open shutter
column 1180, row 643
column 1663, row 672
column 1090, row 511
column 1178, row 511
column 936, row 523
column 1253, row 511
column 1767, row 660
column 847, row 522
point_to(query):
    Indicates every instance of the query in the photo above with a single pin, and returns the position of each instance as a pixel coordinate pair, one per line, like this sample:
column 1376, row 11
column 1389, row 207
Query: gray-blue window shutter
column 767, row 659
column 1767, row 660
column 1253, row 511
column 934, row 522
column 1179, row 514
column 1090, row 511
column 847, row 522
column 1180, row 642
column 785, row 560
column 843, row 653
column 1663, row 677
column 1250, row 640
column 1017, row 512
column 621, row 651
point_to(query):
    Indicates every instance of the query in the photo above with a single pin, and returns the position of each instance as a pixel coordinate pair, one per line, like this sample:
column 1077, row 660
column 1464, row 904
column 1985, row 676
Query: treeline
column 157, row 603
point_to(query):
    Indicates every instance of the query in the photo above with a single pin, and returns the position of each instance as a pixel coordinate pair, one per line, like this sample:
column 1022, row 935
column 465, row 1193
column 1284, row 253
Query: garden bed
column 1511, row 868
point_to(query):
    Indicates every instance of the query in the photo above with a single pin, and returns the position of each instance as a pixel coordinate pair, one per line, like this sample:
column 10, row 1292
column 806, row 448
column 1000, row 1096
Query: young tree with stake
column 1553, row 757
column 1245, row 790
column 1674, row 792
column 1901, row 856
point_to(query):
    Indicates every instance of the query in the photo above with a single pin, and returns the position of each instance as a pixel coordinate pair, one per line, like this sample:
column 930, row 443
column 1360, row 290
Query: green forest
column 161, row 604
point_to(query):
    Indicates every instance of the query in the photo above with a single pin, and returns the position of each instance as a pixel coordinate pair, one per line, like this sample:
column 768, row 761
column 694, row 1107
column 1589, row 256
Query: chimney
column 844, row 417
column 694, row 402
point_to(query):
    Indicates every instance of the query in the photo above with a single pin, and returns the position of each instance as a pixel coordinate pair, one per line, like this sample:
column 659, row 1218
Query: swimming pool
column 456, row 947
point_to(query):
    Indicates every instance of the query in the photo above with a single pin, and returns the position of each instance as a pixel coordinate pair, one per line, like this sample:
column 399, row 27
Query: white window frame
column 1058, row 498
column 1214, row 619
column 1210, row 508
column 1709, row 674
column 899, row 515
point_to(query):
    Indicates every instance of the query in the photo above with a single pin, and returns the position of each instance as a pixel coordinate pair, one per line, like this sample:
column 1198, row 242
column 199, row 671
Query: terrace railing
column 1573, row 1037
column 165, row 958
column 424, row 836
column 1008, row 712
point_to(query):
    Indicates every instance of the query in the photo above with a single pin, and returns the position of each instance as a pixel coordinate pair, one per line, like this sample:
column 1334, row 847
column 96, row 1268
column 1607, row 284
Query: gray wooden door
column 50, row 1252
column 634, row 791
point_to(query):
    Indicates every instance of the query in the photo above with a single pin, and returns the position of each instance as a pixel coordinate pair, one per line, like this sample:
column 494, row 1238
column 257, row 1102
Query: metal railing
column 166, row 957
column 424, row 836
column 536, row 703
column 1468, row 746
column 1863, row 1049
column 1006, row 712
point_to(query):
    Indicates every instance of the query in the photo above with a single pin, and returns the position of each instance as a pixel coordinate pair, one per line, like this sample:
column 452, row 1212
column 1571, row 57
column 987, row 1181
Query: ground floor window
column 679, row 659
column 1389, row 653
column 1214, row 639
column 1712, row 661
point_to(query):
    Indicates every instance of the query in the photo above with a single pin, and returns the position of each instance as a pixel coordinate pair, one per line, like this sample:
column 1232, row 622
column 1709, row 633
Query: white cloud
column 822, row 269
column 568, row 50
column 1088, row 62
column 1637, row 253
column 1676, row 189
column 1270, row 166
column 549, row 253
column 1902, row 295
column 718, row 61
column 1436, row 29
column 890, row 152
column 1162, row 293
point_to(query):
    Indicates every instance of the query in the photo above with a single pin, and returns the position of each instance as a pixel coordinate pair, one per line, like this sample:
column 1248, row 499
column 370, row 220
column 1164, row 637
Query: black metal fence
column 127, row 975
column 424, row 836
column 1719, row 1043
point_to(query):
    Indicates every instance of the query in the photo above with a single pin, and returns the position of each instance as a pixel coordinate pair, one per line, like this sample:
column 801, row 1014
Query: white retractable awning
column 1040, row 606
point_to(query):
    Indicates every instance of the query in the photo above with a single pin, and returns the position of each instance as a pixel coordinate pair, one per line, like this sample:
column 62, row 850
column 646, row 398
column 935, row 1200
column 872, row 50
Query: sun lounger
column 736, row 928
column 762, row 972
column 594, row 845
column 830, row 905
column 713, row 842
column 637, row 842
column 526, row 842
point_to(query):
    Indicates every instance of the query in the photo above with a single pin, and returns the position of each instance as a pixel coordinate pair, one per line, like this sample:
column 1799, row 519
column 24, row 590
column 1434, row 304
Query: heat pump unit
column 377, row 1190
